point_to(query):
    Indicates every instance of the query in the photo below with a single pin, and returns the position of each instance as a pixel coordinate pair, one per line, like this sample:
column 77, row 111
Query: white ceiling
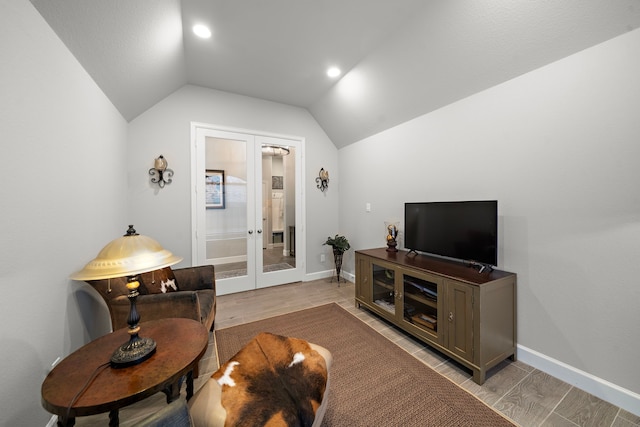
column 400, row 58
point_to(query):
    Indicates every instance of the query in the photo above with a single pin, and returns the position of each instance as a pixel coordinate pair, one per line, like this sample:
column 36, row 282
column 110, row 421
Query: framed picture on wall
column 214, row 189
column 277, row 183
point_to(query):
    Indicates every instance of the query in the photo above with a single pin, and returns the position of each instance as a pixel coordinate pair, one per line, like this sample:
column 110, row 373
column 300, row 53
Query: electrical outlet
column 52, row 421
column 322, row 258
column 55, row 362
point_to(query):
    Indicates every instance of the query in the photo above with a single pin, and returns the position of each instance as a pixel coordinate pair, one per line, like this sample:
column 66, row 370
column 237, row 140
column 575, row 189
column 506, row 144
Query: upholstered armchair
column 183, row 292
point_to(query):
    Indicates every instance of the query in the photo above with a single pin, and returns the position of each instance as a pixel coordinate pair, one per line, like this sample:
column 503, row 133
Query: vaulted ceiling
column 400, row 58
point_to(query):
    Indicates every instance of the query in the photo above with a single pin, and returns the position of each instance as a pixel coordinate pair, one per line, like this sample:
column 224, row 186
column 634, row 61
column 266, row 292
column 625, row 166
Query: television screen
column 463, row 230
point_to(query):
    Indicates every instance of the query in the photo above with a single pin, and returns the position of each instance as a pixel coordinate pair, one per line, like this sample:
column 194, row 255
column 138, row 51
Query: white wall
column 165, row 129
column 559, row 149
column 63, row 197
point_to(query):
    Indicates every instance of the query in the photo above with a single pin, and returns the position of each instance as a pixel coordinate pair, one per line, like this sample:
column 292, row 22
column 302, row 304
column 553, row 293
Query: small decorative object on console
column 392, row 234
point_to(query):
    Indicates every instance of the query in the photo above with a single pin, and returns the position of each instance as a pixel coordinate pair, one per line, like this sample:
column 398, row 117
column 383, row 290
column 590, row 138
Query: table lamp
column 129, row 256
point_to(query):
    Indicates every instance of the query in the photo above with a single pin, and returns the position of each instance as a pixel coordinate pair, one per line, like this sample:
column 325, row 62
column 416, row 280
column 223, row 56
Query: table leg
column 189, row 385
column 114, row 418
column 172, row 391
column 66, row 422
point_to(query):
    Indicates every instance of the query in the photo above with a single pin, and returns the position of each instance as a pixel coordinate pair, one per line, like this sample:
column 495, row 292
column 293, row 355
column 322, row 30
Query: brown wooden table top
column 180, row 345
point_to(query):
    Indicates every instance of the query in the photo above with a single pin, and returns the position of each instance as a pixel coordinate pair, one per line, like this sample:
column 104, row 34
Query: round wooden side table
column 180, row 345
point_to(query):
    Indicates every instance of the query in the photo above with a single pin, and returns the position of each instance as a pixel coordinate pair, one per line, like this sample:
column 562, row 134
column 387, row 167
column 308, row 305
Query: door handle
column 250, row 231
column 259, row 231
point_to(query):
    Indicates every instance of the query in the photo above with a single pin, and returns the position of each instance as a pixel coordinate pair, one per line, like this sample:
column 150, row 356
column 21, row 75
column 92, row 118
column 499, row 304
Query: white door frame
column 197, row 207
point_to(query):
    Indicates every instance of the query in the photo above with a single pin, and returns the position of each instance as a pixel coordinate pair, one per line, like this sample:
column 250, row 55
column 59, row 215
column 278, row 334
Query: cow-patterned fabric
column 158, row 281
column 273, row 381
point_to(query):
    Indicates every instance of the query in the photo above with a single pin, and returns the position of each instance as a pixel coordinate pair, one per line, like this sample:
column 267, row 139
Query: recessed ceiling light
column 202, row 31
column 333, row 72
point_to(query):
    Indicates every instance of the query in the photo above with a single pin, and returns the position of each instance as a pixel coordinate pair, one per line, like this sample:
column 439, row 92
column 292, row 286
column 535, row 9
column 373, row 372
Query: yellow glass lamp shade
column 128, row 255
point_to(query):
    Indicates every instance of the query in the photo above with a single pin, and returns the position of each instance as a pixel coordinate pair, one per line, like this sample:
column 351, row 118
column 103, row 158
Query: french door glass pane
column 278, row 207
column 226, row 206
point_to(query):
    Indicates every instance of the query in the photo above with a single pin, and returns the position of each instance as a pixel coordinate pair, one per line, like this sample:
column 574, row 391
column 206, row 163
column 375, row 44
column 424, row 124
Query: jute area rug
column 373, row 381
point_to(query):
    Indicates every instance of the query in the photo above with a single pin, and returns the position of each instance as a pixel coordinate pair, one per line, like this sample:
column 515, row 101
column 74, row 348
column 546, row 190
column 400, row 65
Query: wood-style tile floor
column 523, row 394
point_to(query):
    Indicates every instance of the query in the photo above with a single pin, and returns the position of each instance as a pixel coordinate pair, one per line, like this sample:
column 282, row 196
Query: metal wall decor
column 160, row 173
column 322, row 180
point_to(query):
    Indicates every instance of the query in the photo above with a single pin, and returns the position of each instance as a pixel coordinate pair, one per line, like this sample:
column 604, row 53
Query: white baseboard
column 616, row 395
column 226, row 260
column 318, row 275
column 348, row 276
column 327, row 274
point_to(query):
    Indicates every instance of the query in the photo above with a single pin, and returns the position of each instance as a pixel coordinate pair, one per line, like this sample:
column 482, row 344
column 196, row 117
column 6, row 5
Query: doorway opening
column 247, row 208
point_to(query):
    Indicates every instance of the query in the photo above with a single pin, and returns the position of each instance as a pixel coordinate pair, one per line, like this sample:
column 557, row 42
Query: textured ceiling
column 401, row 58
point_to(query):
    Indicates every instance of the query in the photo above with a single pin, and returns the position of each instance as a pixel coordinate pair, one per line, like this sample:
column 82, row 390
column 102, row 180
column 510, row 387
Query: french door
column 246, row 207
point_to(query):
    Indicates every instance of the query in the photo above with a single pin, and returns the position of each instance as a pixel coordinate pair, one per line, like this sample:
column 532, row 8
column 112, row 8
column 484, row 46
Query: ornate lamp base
column 137, row 350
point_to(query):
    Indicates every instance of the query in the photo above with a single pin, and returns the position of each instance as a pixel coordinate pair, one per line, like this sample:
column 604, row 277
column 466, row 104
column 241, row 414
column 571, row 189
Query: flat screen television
column 465, row 231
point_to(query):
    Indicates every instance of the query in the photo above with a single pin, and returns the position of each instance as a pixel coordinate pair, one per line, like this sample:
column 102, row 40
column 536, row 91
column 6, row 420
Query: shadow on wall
column 94, row 317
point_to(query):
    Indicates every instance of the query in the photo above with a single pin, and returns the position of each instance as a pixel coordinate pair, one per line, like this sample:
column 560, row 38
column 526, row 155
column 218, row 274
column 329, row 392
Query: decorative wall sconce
column 323, row 179
column 160, row 173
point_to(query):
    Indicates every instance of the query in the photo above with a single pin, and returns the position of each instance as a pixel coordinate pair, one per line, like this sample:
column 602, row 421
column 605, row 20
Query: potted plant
column 340, row 245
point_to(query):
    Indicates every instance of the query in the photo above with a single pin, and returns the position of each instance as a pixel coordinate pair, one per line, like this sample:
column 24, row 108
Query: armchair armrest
column 183, row 304
column 195, row 278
